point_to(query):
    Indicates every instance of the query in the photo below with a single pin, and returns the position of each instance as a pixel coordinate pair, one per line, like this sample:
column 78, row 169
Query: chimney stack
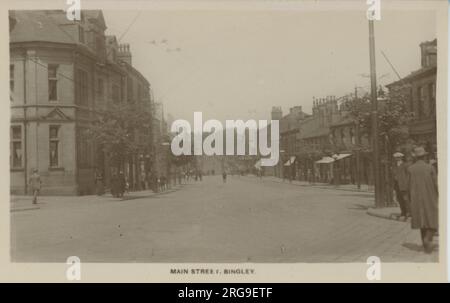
column 125, row 53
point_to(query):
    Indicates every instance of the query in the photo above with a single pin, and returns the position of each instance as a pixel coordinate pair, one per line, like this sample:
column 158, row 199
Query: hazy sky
column 238, row 64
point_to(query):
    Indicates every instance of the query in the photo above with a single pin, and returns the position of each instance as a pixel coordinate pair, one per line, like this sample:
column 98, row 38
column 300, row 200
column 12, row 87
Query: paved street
column 244, row 220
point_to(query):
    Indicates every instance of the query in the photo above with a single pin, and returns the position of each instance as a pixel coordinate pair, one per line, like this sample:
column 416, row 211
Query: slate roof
column 415, row 74
column 38, row 26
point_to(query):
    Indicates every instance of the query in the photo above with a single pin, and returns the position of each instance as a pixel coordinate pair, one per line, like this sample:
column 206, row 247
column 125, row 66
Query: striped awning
column 325, row 160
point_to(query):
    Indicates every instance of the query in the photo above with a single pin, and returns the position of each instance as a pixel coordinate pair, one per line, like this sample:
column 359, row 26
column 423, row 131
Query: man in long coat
column 121, row 184
column 400, row 174
column 424, row 198
column 115, row 185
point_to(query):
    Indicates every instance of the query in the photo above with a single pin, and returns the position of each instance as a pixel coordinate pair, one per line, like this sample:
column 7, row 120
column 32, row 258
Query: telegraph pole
column 374, row 118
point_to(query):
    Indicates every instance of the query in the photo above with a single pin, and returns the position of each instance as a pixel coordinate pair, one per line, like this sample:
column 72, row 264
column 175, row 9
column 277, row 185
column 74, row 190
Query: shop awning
column 290, row 161
column 342, row 156
column 325, row 160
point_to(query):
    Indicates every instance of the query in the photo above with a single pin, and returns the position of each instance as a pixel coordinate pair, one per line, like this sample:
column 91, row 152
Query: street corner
column 24, row 208
column 18, row 204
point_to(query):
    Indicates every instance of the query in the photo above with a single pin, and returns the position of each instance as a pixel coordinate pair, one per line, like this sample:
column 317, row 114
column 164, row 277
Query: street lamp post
column 374, row 118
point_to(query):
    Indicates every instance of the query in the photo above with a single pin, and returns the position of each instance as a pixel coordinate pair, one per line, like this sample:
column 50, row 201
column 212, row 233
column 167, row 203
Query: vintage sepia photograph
column 183, row 135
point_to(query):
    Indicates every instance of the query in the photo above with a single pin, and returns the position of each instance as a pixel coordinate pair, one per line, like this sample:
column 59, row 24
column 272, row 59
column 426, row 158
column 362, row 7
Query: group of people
column 119, row 185
column 416, row 188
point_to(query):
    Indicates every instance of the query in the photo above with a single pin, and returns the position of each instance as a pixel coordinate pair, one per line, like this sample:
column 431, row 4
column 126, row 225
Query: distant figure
column 423, row 190
column 158, row 184
column 35, row 183
column 99, row 185
column 115, row 185
column 122, row 184
column 309, row 175
column 143, row 178
column 163, row 183
column 154, row 182
column 433, row 162
column 400, row 174
column 224, row 177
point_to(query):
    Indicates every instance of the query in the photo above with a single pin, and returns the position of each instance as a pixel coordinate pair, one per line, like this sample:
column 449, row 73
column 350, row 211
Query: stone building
column 314, row 139
column 289, row 130
column 418, row 91
column 61, row 73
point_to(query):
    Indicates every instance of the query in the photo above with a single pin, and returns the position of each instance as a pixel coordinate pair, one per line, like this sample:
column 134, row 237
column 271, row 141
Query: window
column 16, row 147
column 411, row 100
column 100, row 88
column 115, row 93
column 83, row 155
column 11, row 77
column 11, row 81
column 432, row 98
column 114, row 55
column 420, row 102
column 54, row 145
column 352, row 136
column 343, row 138
column 81, row 34
column 139, row 93
column 82, row 85
column 52, row 82
column 130, row 89
column 100, row 45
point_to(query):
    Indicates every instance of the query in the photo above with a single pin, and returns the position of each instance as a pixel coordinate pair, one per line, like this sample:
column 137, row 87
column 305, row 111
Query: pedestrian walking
column 224, row 177
column 115, row 185
column 99, row 185
column 162, row 181
column 143, row 179
column 424, row 198
column 35, row 184
column 400, row 176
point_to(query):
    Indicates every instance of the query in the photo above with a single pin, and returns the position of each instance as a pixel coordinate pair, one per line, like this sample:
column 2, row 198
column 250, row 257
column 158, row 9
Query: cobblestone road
column 244, row 220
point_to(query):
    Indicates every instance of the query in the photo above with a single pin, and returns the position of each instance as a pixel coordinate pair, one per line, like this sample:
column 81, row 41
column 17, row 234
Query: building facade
column 61, row 74
column 418, row 91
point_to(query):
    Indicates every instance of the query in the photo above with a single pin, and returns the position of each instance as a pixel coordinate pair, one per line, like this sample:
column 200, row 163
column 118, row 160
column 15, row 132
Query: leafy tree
column 393, row 115
column 122, row 130
column 393, row 130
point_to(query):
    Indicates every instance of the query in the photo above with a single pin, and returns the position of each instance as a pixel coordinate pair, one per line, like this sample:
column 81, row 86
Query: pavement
column 246, row 219
column 345, row 187
column 390, row 213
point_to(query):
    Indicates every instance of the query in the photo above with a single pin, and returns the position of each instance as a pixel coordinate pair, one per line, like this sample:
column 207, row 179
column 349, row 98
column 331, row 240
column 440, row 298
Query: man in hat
column 35, row 184
column 400, row 174
column 122, row 184
column 424, row 198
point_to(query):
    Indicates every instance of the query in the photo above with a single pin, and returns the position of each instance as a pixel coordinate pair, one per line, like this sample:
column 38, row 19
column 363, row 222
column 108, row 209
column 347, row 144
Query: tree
column 393, row 120
column 122, row 130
